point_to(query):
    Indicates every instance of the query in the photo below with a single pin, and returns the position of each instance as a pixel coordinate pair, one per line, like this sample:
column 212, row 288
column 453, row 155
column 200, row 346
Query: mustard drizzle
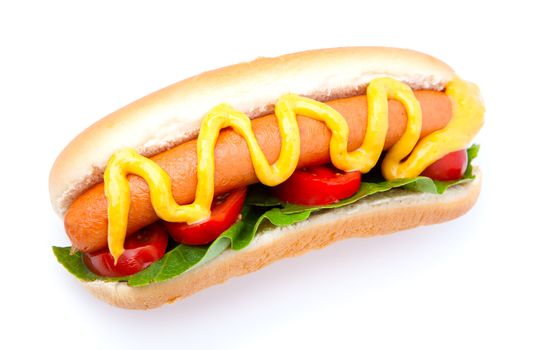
column 466, row 121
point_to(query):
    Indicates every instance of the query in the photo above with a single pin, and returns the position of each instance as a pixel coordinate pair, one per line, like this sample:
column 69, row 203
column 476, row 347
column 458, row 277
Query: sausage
column 86, row 221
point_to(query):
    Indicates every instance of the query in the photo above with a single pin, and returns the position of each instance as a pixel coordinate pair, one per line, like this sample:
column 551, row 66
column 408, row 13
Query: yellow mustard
column 466, row 121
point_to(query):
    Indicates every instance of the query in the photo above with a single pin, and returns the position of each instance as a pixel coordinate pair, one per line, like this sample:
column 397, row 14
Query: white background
column 486, row 280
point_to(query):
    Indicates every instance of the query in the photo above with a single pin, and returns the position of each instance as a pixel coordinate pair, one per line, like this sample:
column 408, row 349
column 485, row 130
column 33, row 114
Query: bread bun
column 379, row 214
column 172, row 115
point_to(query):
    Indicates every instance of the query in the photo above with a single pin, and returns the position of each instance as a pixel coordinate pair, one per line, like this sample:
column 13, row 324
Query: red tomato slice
column 448, row 168
column 224, row 213
column 141, row 249
column 318, row 185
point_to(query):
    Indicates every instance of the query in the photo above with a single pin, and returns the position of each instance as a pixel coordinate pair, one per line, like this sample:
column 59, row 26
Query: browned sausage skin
column 86, row 219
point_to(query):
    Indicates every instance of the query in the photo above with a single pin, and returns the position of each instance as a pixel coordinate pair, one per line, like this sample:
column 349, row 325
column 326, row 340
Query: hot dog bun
column 164, row 125
column 172, row 115
column 389, row 212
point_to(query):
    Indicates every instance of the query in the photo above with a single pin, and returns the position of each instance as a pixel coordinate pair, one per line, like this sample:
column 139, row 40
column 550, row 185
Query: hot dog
column 181, row 162
column 430, row 114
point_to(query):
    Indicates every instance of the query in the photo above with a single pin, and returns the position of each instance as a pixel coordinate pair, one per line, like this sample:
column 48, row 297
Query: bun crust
column 172, row 115
column 380, row 214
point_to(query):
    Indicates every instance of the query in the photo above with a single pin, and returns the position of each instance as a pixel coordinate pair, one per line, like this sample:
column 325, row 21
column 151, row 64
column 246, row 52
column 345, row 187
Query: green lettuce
column 183, row 257
column 262, row 198
column 260, row 207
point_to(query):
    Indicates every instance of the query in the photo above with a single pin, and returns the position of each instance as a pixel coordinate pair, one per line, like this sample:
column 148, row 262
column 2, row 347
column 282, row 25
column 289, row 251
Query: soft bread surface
column 173, row 115
column 379, row 214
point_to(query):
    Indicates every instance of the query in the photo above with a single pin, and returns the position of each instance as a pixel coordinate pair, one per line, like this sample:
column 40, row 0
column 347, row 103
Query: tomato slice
column 141, row 249
column 318, row 185
column 224, row 213
column 448, row 168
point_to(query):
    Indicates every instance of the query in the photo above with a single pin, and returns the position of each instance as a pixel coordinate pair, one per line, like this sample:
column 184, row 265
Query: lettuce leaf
column 419, row 184
column 472, row 153
column 73, row 263
column 183, row 258
column 260, row 207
